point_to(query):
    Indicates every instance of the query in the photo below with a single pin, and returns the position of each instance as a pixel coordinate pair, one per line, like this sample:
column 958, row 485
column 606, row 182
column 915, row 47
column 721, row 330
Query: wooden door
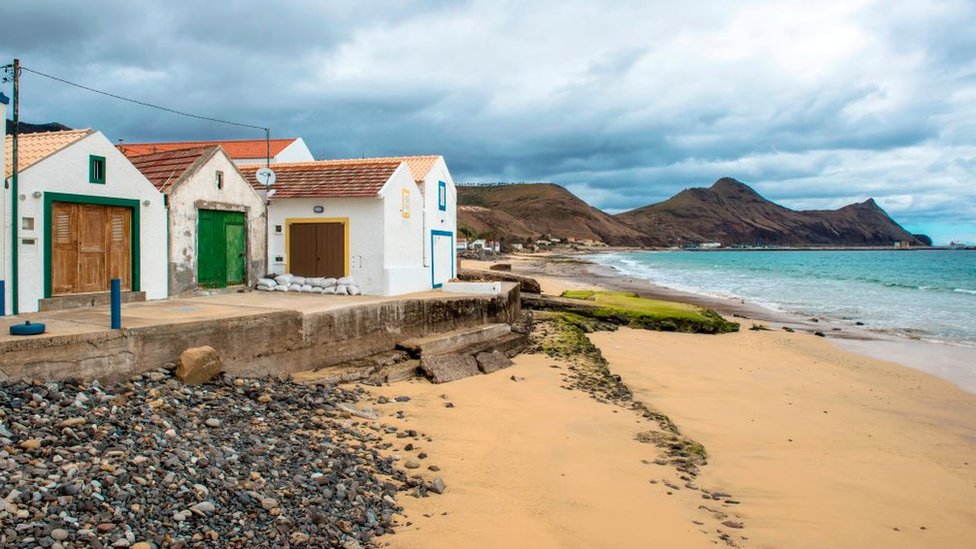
column 210, row 250
column 91, row 244
column 331, row 249
column 317, row 249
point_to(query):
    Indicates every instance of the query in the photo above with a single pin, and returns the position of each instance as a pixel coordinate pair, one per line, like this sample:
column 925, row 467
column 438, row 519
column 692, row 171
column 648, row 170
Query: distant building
column 902, row 244
column 244, row 151
column 462, row 244
column 710, row 245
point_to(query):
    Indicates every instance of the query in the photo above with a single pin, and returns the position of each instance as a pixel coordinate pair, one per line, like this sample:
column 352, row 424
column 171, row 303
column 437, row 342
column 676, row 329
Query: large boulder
column 199, row 365
column 491, row 362
column 449, row 367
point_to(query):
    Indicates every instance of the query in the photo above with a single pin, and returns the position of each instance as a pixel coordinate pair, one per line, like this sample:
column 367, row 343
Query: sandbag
column 326, row 282
column 298, row 280
column 342, row 289
column 346, row 280
column 269, row 282
column 308, row 288
column 265, row 288
column 352, row 289
column 317, row 282
column 284, row 279
column 280, row 288
column 295, row 287
column 329, row 290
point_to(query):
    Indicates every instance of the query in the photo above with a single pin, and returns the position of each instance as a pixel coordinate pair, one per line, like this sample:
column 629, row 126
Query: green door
column 220, row 248
column 235, row 252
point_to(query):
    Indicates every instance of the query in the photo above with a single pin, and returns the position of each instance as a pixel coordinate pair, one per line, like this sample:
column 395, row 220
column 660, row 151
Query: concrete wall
column 67, row 172
column 404, row 270
column 199, row 191
column 273, row 343
column 437, row 220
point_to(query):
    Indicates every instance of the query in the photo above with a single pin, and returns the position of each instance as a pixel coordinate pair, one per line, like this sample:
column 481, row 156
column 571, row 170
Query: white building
column 361, row 218
column 242, row 151
column 439, row 211
column 217, row 221
column 85, row 215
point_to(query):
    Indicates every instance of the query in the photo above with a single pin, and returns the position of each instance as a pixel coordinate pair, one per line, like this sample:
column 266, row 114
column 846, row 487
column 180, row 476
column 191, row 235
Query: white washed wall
column 438, row 220
column 365, row 234
column 404, row 248
column 67, row 172
column 199, row 191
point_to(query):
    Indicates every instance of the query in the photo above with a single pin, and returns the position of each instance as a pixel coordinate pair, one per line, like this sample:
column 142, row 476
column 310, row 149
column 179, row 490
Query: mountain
column 26, row 127
column 730, row 212
column 527, row 211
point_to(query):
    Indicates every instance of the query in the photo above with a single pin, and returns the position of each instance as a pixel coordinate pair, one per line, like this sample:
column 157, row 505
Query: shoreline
column 946, row 360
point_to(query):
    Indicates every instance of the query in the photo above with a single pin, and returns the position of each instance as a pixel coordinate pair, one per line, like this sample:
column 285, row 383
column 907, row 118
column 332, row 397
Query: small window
column 278, row 229
column 96, row 169
column 27, row 224
column 442, row 196
column 220, row 180
column 405, row 203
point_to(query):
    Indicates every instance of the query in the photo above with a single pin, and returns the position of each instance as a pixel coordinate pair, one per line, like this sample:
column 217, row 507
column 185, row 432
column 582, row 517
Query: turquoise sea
column 928, row 295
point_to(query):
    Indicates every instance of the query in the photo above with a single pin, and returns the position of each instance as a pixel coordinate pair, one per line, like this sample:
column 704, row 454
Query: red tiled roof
column 241, row 149
column 419, row 165
column 331, row 178
column 34, row 147
column 164, row 169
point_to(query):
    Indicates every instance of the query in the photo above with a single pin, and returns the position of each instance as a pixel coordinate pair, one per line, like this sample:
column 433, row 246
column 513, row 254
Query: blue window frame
column 442, row 196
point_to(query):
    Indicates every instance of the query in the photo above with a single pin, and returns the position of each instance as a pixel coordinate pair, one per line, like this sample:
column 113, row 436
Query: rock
column 269, row 503
column 491, row 362
column 199, row 365
column 448, row 367
column 732, row 524
column 141, row 545
column 30, row 444
column 501, row 267
column 73, row 422
column 788, row 329
column 819, row 334
column 59, row 534
column 213, row 422
column 437, row 486
column 264, row 399
column 204, row 508
column 411, row 464
column 402, row 399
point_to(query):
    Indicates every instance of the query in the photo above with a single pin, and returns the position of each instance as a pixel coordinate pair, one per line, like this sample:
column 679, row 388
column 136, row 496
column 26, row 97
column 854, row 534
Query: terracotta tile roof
column 241, row 149
column 34, row 147
column 419, row 165
column 326, row 178
column 165, row 169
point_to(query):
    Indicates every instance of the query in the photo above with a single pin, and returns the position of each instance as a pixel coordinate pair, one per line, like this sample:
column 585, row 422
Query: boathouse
column 79, row 214
column 217, row 223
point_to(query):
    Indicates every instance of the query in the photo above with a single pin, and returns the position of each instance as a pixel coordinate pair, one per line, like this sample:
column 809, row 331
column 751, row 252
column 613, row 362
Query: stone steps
column 454, row 340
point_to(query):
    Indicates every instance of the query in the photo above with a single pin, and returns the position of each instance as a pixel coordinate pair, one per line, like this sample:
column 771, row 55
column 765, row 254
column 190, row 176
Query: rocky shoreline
column 156, row 463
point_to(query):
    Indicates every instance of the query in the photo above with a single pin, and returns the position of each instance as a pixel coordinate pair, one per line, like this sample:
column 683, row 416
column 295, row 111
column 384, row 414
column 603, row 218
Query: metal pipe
column 116, row 304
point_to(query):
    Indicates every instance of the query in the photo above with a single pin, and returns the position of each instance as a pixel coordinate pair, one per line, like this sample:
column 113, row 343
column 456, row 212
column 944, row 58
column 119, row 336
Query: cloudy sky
column 814, row 104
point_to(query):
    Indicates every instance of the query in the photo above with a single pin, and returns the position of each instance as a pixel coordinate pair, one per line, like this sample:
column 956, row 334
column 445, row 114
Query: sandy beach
column 816, row 446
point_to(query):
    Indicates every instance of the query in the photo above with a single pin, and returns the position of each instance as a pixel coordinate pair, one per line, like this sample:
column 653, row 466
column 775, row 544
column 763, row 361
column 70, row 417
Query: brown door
column 91, row 245
column 317, row 249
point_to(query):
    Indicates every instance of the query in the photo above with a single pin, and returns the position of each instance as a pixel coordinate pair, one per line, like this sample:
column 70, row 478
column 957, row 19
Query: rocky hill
column 27, row 127
column 730, row 212
column 527, row 211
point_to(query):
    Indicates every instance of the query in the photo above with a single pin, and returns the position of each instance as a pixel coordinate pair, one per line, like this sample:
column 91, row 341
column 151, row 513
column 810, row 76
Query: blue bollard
column 116, row 304
column 3, row 298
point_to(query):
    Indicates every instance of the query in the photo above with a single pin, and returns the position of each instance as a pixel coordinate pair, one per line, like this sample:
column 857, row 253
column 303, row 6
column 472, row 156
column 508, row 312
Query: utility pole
column 14, row 224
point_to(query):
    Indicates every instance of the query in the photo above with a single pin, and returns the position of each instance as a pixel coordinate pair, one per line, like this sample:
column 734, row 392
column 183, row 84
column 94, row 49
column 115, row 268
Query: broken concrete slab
column 449, row 367
column 199, row 365
column 491, row 362
column 454, row 340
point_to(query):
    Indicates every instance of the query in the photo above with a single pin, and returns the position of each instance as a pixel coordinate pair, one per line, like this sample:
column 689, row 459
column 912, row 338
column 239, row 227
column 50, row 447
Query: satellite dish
column 266, row 176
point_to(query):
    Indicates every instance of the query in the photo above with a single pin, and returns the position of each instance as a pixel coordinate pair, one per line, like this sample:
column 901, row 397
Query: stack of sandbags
column 312, row 285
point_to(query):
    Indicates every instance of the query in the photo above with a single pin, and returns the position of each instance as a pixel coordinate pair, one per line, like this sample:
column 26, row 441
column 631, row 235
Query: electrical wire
column 143, row 103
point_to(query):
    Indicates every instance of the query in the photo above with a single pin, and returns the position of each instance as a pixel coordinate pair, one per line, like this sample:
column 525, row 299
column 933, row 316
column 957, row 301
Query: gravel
column 155, row 463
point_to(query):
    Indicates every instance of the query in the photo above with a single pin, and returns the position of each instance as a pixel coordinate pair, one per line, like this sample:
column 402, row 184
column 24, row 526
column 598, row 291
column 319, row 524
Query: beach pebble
column 732, row 524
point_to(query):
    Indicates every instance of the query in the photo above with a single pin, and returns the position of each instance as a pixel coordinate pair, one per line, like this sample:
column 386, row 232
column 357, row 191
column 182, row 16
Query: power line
column 143, row 103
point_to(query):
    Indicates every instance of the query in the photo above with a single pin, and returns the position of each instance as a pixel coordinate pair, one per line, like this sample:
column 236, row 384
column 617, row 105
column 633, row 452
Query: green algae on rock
column 627, row 309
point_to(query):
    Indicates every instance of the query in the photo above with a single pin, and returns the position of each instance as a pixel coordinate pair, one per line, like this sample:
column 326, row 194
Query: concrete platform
column 256, row 333
column 455, row 339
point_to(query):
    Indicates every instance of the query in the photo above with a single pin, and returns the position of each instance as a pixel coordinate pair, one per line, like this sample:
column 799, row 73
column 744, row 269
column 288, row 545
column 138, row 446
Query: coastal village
column 232, row 343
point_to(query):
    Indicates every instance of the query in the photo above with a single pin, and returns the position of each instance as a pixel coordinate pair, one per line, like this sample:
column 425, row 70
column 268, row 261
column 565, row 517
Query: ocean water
column 928, row 295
